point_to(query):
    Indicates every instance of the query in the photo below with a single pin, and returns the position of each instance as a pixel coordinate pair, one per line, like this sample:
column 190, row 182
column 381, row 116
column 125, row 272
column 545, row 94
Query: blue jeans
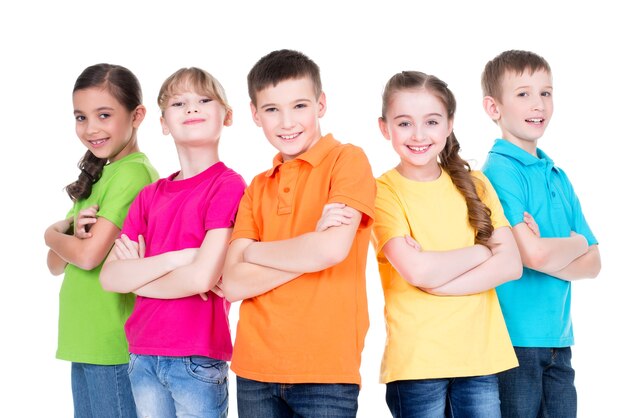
column 459, row 397
column 542, row 385
column 102, row 391
column 276, row 400
column 166, row 387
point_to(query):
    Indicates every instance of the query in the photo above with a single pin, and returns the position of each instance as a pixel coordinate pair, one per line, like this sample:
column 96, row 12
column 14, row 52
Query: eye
column 271, row 109
column 432, row 122
column 80, row 118
column 546, row 93
column 522, row 94
column 104, row 115
column 177, row 104
column 404, row 124
column 206, row 100
column 300, row 106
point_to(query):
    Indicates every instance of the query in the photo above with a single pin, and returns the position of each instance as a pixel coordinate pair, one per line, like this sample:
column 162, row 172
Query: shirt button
column 286, row 189
column 553, row 194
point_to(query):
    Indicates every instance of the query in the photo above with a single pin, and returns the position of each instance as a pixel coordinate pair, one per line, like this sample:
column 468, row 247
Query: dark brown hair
column 282, row 65
column 122, row 84
column 513, row 60
column 459, row 170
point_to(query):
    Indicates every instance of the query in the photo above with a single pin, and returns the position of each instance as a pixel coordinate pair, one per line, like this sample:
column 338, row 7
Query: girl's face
column 193, row 118
column 104, row 125
column 417, row 125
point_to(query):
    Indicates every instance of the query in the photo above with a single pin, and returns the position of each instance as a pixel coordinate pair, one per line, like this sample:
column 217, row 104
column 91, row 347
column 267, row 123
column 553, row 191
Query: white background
column 45, row 45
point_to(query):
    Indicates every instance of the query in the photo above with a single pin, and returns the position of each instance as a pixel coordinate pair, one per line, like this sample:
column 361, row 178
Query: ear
column 491, row 108
column 255, row 114
column 138, row 115
column 321, row 103
column 164, row 127
column 450, row 126
column 228, row 119
column 384, row 129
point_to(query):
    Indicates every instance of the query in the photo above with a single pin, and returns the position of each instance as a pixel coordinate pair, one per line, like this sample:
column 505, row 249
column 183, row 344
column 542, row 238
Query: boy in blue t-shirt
column 555, row 242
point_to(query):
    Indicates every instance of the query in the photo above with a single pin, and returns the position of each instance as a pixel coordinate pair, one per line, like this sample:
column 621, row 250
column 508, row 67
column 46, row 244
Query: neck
column 194, row 161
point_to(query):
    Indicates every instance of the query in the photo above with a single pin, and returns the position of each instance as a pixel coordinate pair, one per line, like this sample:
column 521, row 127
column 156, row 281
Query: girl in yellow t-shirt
column 442, row 244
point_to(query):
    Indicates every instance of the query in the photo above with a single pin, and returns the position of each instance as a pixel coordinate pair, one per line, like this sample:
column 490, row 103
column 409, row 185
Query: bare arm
column 310, row 252
column 125, row 270
column 197, row 277
column 243, row 280
column 504, row 265
column 86, row 254
column 430, row 269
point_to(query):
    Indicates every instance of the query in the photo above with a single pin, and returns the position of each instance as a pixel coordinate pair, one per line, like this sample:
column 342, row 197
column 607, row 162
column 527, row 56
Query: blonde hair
column 192, row 79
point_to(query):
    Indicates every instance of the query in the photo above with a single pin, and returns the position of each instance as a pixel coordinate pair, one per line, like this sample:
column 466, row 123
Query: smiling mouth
column 97, row 142
column 193, row 121
column 289, row 137
column 419, row 149
column 535, row 121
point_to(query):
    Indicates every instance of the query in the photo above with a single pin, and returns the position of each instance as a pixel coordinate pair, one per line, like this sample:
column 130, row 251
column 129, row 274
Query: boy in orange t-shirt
column 298, row 254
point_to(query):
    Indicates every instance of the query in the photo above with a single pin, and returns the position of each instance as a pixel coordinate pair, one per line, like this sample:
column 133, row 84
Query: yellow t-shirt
column 436, row 336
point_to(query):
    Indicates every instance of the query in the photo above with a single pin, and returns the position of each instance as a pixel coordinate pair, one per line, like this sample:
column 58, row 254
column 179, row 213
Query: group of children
column 475, row 266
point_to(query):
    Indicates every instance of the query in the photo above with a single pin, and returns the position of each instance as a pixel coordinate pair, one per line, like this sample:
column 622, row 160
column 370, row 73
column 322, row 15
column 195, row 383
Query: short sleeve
column 121, row 190
column 390, row 220
column 353, row 182
column 510, row 190
column 136, row 223
column 224, row 203
column 245, row 225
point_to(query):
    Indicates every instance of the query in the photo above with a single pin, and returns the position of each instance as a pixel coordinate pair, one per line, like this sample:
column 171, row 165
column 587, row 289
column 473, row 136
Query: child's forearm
column 502, row 266
column 430, row 269
column 56, row 264
column 587, row 266
column 310, row 252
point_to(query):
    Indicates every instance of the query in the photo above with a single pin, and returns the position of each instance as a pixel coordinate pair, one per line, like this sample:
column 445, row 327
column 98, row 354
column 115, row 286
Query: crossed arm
column 462, row 271
column 84, row 244
column 253, row 267
column 568, row 258
column 170, row 275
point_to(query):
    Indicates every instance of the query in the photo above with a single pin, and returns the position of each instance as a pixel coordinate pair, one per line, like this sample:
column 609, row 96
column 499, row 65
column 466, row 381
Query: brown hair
column 122, row 84
column 281, row 65
column 514, row 61
column 459, row 170
column 192, row 79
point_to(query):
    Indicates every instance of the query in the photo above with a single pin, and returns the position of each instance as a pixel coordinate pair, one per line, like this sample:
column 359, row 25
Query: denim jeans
column 459, row 397
column 166, row 387
column 277, row 400
column 542, row 385
column 102, row 391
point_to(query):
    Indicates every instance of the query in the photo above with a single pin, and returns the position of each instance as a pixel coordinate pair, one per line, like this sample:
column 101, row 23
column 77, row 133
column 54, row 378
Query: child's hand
column 62, row 226
column 126, row 249
column 530, row 222
column 217, row 289
column 333, row 214
column 86, row 218
column 411, row 241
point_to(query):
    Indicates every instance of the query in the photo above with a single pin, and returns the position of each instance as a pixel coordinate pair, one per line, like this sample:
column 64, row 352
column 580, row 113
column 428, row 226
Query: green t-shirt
column 91, row 320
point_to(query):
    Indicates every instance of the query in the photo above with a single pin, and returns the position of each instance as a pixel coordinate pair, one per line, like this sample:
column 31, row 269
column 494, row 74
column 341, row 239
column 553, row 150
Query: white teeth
column 97, row 142
column 288, row 136
column 534, row 120
column 418, row 149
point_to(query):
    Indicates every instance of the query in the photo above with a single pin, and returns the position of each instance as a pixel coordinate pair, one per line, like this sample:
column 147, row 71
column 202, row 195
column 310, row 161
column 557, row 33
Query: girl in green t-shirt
column 108, row 110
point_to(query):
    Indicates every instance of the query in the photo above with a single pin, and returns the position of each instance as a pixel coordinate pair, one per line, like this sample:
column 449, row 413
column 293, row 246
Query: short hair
column 513, row 60
column 192, row 79
column 281, row 65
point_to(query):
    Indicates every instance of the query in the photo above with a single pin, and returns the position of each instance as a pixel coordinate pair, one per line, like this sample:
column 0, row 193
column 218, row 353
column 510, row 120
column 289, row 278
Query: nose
column 192, row 108
column 418, row 134
column 93, row 125
column 539, row 104
column 287, row 120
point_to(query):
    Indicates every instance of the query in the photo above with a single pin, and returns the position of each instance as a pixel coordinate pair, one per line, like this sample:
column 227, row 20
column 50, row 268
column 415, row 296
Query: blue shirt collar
column 508, row 149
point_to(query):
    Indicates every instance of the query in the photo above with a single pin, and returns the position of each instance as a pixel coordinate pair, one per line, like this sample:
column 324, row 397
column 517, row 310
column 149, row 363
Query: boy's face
column 289, row 115
column 525, row 107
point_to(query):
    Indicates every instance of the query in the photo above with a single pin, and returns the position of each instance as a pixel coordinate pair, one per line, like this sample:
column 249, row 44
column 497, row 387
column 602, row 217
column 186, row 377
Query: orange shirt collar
column 313, row 156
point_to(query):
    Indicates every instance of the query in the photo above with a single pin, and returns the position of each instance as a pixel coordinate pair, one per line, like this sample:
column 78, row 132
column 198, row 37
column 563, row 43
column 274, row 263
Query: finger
column 331, row 206
column 142, row 246
column 204, row 296
column 218, row 291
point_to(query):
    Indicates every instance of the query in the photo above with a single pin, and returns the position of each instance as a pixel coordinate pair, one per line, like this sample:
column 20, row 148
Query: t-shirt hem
column 169, row 352
column 296, row 378
column 541, row 343
column 447, row 374
column 91, row 359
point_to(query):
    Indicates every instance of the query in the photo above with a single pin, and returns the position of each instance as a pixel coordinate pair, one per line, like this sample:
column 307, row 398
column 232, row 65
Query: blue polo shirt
column 536, row 307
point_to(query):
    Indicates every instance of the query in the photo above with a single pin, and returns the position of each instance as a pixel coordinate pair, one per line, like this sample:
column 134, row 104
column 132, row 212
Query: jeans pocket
column 207, row 369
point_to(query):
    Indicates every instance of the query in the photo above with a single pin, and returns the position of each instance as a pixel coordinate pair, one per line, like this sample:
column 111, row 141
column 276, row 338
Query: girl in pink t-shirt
column 171, row 254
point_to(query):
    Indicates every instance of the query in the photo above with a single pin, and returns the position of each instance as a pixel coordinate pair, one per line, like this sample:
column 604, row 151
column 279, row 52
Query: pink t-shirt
column 173, row 215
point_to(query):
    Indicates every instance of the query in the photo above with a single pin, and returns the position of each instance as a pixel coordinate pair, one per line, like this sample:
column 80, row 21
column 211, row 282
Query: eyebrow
column 293, row 102
column 100, row 109
column 410, row 117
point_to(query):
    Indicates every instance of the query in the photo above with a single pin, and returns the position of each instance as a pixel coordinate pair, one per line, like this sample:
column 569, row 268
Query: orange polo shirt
column 311, row 329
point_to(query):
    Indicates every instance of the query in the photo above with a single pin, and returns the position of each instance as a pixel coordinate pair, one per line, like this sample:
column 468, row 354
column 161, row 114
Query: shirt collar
column 508, row 149
column 313, row 156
